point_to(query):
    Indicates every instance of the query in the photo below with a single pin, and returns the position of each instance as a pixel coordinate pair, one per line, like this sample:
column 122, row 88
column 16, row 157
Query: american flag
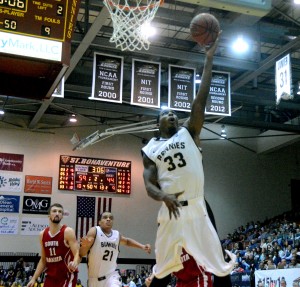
column 88, row 212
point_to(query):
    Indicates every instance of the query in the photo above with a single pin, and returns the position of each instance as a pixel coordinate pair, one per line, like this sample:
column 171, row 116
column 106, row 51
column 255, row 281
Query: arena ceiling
column 272, row 33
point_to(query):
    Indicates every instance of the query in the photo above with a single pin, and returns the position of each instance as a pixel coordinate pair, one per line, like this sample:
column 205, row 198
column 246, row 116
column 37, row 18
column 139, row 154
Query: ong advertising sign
column 36, row 205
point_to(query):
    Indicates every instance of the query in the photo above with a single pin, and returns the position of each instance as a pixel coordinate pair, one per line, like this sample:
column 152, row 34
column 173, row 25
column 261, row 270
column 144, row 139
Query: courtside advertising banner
column 38, row 184
column 10, row 182
column 181, row 88
column 33, row 225
column 36, row 205
column 9, row 203
column 9, row 225
column 219, row 98
column 107, row 78
column 11, row 161
column 273, row 278
column 145, row 84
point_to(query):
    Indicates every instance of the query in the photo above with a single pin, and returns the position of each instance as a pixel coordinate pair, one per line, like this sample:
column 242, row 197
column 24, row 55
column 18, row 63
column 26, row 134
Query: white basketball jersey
column 102, row 257
column 179, row 164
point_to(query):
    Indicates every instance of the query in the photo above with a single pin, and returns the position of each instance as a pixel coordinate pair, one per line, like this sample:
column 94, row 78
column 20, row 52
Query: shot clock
column 94, row 175
column 15, row 4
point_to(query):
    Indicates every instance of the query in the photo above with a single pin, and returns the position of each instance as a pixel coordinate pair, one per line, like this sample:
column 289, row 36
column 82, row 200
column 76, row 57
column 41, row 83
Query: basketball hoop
column 128, row 22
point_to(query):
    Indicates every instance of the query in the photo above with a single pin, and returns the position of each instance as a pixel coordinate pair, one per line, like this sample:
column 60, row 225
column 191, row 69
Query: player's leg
column 113, row 280
column 218, row 281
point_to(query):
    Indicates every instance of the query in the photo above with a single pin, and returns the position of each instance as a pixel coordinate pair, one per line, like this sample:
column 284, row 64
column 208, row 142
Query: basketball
column 204, row 29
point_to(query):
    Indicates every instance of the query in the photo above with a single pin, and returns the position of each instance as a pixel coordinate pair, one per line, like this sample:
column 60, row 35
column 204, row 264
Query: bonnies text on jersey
column 171, row 146
column 109, row 244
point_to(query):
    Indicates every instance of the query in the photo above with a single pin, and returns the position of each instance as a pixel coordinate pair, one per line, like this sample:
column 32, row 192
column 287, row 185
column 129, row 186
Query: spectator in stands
column 138, row 281
column 78, row 284
column 263, row 243
column 10, row 274
column 276, row 258
column 282, row 282
column 270, row 264
column 282, row 264
column 294, row 263
column 248, row 263
column 130, row 282
column 248, row 252
column 263, row 255
column 237, row 269
column 2, row 272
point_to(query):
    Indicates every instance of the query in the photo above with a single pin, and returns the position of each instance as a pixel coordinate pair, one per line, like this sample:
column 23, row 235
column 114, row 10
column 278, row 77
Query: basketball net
column 128, row 22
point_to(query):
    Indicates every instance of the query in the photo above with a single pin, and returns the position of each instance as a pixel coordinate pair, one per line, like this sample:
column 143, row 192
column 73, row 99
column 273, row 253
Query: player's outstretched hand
column 147, row 248
column 173, row 204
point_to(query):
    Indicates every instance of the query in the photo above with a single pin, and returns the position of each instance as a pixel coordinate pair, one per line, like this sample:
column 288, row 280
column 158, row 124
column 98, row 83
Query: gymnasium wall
column 239, row 184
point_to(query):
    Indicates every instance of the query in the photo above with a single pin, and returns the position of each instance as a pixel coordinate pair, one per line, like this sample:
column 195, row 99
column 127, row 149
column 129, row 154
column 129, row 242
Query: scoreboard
column 44, row 19
column 94, row 175
column 36, row 45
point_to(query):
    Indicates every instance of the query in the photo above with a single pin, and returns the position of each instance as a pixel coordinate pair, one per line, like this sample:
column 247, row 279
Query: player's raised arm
column 196, row 120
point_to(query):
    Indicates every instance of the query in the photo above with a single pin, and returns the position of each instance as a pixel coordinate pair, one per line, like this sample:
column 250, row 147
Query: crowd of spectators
column 272, row 244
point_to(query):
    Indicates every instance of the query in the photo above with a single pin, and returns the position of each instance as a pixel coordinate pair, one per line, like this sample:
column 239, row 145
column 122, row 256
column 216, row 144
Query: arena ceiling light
column 73, row 119
column 240, row 45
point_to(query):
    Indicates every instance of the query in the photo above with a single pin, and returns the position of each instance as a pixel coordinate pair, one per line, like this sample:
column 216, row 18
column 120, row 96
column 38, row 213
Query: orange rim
column 128, row 8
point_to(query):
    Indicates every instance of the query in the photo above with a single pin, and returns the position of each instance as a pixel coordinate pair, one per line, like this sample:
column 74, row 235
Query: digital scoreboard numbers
column 43, row 19
column 94, row 175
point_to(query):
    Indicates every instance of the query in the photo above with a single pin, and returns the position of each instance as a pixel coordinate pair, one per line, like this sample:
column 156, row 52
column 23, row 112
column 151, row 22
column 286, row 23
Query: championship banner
column 9, row 203
column 9, row 225
column 107, row 78
column 181, row 88
column 277, row 277
column 10, row 182
column 283, row 79
column 38, row 184
column 33, row 225
column 36, row 205
column 145, row 84
column 11, row 161
column 219, row 98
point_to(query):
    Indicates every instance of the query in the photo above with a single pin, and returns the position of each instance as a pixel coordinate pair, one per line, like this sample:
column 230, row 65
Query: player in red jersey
column 59, row 252
column 192, row 275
